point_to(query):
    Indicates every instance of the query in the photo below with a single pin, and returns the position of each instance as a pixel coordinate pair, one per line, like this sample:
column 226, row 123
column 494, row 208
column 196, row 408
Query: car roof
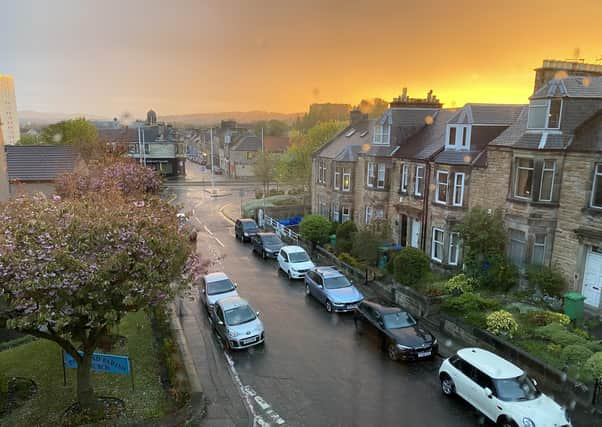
column 266, row 233
column 214, row 277
column 246, row 220
column 328, row 272
column 382, row 308
column 292, row 249
column 490, row 363
column 229, row 303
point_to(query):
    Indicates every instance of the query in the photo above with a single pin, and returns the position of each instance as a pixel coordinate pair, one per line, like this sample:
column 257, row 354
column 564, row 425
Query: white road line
column 207, row 230
column 198, row 220
column 219, row 241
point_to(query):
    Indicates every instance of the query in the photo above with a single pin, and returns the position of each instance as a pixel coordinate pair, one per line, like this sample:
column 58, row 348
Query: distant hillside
column 29, row 119
column 202, row 119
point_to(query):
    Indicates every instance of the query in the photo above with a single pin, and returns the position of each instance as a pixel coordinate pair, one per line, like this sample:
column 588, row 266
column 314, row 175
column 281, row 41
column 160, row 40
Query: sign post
column 101, row 362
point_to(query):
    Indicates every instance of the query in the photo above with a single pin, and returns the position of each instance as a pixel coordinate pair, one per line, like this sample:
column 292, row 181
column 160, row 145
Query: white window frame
column 516, row 173
column 439, row 184
column 458, row 187
column 347, row 174
column 368, row 215
column 335, row 212
column 337, row 178
column 418, row 179
column 539, row 245
column 545, row 170
column 379, row 213
column 435, row 242
column 544, row 103
column 462, row 137
column 404, row 178
column 370, row 174
column 381, row 172
column 596, row 181
column 382, row 134
column 454, row 237
column 345, row 216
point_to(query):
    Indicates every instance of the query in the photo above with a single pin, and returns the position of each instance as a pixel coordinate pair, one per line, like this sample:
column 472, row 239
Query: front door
column 403, row 230
column 592, row 277
column 416, row 225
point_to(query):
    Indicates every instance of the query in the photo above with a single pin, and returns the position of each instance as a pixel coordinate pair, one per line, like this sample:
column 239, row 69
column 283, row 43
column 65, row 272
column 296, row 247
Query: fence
column 281, row 230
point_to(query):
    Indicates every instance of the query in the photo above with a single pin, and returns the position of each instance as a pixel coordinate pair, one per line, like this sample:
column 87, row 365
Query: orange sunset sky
column 187, row 56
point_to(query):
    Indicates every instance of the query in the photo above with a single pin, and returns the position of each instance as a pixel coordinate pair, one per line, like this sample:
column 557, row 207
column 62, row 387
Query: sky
column 109, row 57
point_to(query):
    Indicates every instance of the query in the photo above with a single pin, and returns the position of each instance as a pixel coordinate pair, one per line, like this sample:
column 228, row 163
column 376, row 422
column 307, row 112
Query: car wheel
column 392, row 352
column 289, row 275
column 263, row 254
column 505, row 422
column 328, row 306
column 447, row 385
column 307, row 291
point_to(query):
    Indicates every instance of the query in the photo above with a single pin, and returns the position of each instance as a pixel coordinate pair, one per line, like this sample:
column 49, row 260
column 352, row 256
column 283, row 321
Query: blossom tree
column 71, row 268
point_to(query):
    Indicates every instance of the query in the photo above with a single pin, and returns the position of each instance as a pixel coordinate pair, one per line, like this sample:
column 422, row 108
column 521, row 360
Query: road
column 314, row 369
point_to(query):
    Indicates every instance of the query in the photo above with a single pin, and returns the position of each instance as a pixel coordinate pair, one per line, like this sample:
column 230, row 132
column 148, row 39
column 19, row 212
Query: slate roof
column 509, row 136
column 487, row 114
column 128, row 134
column 38, row 162
column 346, row 148
column 572, row 87
column 276, row 144
column 410, row 116
column 429, row 141
column 247, row 143
column 457, row 157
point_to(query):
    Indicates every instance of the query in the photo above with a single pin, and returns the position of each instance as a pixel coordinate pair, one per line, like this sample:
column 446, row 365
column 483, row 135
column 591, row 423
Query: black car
column 245, row 229
column 401, row 336
column 266, row 244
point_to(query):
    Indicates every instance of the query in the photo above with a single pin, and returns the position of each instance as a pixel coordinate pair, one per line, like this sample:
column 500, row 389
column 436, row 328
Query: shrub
column 502, row 323
column 351, row 260
column 593, row 366
column 576, row 355
column 559, row 334
column 365, row 246
column 459, row 284
column 501, row 274
column 345, row 233
column 275, row 192
column 410, row 265
column 258, row 194
column 315, row 228
column 547, row 280
column 545, row 317
column 468, row 303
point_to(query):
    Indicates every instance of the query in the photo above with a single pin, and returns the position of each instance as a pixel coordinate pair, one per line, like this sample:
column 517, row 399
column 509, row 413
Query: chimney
column 404, row 94
column 355, row 116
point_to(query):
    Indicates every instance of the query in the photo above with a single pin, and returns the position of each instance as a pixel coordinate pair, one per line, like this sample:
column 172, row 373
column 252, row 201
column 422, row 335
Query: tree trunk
column 85, row 392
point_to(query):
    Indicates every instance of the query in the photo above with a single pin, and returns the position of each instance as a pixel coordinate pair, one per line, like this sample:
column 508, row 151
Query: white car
column 294, row 261
column 503, row 392
column 237, row 323
column 215, row 286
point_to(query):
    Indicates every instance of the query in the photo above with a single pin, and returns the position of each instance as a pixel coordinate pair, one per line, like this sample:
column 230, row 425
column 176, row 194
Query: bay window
column 539, row 249
column 370, row 177
column 596, row 200
column 403, row 187
column 454, row 248
column 380, row 183
column 345, row 214
column 337, row 179
column 548, row 173
column 368, row 215
column 419, row 181
column 346, row 179
column 441, row 190
column 518, row 247
column 458, row 198
column 523, row 181
column 437, row 244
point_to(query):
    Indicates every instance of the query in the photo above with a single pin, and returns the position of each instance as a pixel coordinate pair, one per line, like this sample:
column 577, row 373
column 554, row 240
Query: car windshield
column 336, row 282
column 298, row 257
column 401, row 319
column 516, row 389
column 249, row 225
column 219, row 287
column 271, row 240
column 239, row 315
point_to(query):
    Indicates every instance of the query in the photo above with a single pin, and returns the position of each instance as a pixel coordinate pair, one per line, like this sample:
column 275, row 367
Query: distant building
column 151, row 118
column 8, row 110
column 553, row 69
column 3, row 173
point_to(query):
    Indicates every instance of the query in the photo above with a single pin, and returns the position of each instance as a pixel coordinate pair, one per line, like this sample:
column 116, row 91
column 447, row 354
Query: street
column 314, row 369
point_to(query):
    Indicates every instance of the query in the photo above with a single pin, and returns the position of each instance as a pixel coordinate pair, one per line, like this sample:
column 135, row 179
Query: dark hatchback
column 245, row 229
column 401, row 336
column 266, row 244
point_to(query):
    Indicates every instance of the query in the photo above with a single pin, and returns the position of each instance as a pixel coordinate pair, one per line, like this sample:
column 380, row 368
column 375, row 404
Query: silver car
column 215, row 286
column 237, row 323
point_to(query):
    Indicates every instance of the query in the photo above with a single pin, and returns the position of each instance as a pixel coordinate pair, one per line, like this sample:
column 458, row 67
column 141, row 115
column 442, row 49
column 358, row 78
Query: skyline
column 108, row 58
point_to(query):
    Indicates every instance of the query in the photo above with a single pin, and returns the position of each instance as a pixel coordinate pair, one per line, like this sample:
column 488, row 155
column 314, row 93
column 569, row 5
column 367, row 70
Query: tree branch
column 64, row 344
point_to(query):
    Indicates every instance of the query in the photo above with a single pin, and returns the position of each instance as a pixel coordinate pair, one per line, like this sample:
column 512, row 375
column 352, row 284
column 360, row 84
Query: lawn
column 41, row 361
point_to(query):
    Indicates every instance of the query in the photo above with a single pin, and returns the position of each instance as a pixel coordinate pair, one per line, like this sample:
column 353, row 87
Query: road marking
column 221, row 211
column 219, row 241
column 199, row 221
column 207, row 230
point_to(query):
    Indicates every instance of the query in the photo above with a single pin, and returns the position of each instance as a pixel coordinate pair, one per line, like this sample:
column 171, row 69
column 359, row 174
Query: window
column 379, row 213
column 419, row 181
column 337, row 178
column 452, row 136
column 458, row 189
column 539, row 249
column 517, row 247
column 368, row 218
column 458, row 136
column 523, row 178
column 454, row 248
column 437, row 245
column 322, row 172
column 335, row 212
column 441, row 192
column 597, row 187
column 370, row 175
column 345, row 214
column 380, row 183
column 544, row 114
column 346, row 179
column 381, row 135
column 546, row 189
column 403, row 187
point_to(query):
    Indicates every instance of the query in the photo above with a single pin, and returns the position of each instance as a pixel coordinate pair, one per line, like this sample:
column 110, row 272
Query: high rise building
column 3, row 169
column 8, row 110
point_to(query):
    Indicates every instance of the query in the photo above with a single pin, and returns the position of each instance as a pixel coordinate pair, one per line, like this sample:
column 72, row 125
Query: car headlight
column 528, row 422
column 233, row 334
column 246, row 234
column 403, row 347
column 434, row 341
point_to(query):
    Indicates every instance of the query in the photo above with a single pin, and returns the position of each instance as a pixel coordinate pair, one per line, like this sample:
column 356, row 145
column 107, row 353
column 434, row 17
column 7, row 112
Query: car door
column 203, row 291
column 220, row 324
column 310, row 280
column 463, row 379
column 237, row 229
column 283, row 260
column 320, row 292
column 484, row 403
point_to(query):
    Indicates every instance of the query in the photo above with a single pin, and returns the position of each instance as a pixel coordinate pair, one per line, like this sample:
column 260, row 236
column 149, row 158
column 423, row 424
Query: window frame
column 370, row 175
column 461, row 137
column 597, row 179
column 547, row 105
column 419, row 180
column 439, row 184
column 368, row 217
column 536, row 244
column 346, row 174
column 435, row 242
column 523, row 242
column 381, row 167
column 403, row 186
column 451, row 245
column 343, row 215
column 516, row 175
column 543, row 172
column 456, row 176
column 337, row 178
column 335, row 213
column 382, row 134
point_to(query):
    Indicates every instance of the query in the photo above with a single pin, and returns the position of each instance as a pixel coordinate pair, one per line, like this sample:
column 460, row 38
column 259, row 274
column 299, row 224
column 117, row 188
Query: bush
column 275, row 192
column 410, row 265
column 459, row 284
column 258, row 194
column 576, row 355
column 351, row 260
column 502, row 323
column 345, row 233
column 559, row 334
column 296, row 191
column 547, row 280
column 467, row 303
column 544, row 317
column 501, row 274
column 593, row 366
column 315, row 228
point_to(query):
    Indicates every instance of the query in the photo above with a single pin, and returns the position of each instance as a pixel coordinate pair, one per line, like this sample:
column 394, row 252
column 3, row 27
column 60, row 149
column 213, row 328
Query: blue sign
column 101, row 362
column 203, row 168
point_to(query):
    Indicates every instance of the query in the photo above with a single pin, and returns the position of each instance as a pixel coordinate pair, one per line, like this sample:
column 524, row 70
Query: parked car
column 332, row 288
column 294, row 261
column 237, row 323
column 245, row 228
column 401, row 336
column 217, row 170
column 215, row 286
column 266, row 244
column 503, row 392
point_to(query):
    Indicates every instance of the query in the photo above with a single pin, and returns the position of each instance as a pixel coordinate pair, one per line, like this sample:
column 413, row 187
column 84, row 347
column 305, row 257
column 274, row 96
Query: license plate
column 249, row 340
column 424, row 354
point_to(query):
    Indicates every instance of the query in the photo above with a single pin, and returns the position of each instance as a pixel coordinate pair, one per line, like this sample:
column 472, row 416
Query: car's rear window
column 219, row 287
column 271, row 240
column 298, row 257
column 249, row 225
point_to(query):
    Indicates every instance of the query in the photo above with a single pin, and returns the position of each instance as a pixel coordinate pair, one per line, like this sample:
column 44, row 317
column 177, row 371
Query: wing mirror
column 258, row 313
column 235, row 285
column 220, row 322
column 534, row 382
column 488, row 392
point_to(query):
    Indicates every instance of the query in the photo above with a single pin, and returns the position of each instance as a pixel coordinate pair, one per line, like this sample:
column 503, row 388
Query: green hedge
column 410, row 265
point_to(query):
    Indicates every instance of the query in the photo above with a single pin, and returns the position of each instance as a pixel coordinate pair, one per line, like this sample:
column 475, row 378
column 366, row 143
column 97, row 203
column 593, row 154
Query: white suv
column 503, row 392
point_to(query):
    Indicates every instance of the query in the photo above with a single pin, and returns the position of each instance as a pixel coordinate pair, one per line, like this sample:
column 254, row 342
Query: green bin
column 333, row 240
column 573, row 305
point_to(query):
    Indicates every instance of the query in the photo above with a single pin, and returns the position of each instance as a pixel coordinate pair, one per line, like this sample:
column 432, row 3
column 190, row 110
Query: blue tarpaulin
column 290, row 221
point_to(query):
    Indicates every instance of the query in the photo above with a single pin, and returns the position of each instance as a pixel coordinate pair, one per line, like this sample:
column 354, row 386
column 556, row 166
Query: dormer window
column 382, row 133
column 458, row 137
column 545, row 113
